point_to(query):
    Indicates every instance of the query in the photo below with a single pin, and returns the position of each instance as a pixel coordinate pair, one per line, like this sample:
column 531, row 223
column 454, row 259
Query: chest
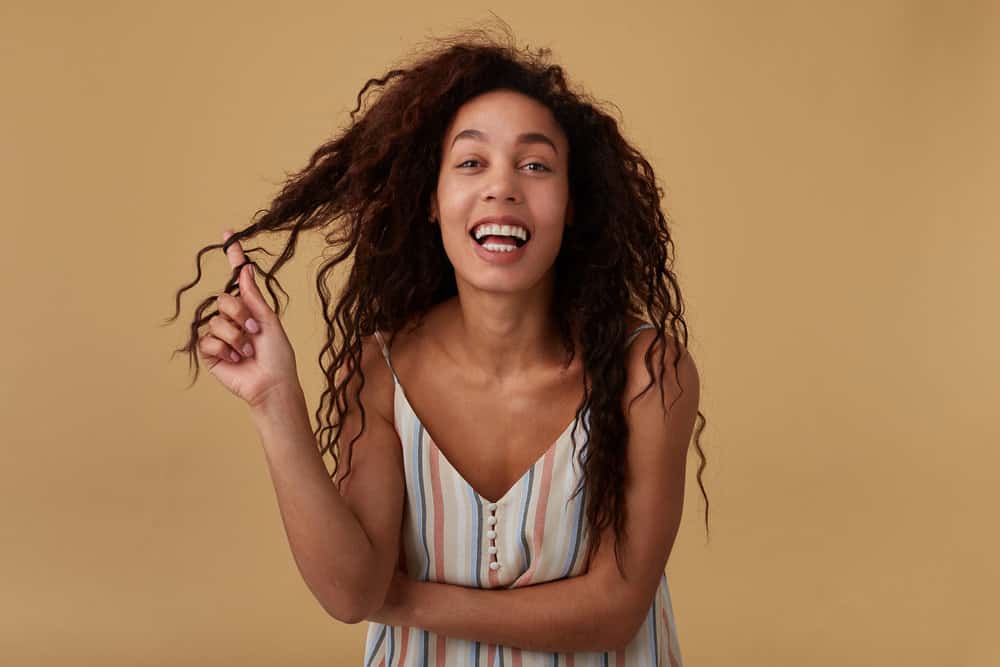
column 492, row 440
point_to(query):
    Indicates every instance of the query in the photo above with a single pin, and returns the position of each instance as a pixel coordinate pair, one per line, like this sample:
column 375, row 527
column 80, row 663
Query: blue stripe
column 572, row 553
column 525, row 501
column 392, row 646
column 418, row 454
column 653, row 643
column 374, row 646
column 477, row 512
column 579, row 513
column 473, row 558
column 674, row 643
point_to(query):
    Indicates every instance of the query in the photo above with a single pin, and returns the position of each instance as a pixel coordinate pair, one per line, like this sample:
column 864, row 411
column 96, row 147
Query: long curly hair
column 369, row 190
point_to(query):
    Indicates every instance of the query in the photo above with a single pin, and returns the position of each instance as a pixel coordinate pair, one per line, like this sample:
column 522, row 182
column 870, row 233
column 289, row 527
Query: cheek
column 454, row 196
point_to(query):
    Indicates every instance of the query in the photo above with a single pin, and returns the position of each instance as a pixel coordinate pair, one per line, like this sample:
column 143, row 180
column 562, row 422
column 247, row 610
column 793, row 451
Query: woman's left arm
column 598, row 610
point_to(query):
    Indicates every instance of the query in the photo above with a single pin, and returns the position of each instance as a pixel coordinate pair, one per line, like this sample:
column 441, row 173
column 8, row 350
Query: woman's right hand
column 270, row 367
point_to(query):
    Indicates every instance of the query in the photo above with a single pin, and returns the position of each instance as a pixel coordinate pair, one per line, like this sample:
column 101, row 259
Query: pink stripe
column 515, row 657
column 620, row 659
column 438, row 537
column 491, row 654
column 569, row 660
column 543, row 500
column 666, row 624
column 402, row 648
column 440, row 651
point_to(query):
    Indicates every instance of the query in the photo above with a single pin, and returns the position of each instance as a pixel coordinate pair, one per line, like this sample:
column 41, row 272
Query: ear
column 435, row 216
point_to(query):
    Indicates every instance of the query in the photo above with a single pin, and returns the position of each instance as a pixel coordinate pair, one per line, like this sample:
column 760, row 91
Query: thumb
column 252, row 297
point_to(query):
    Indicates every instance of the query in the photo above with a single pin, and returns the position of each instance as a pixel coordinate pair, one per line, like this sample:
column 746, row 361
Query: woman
column 498, row 222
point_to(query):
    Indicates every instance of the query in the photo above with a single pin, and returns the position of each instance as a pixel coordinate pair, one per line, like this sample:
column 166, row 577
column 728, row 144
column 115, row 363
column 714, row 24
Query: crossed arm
column 566, row 615
column 598, row 610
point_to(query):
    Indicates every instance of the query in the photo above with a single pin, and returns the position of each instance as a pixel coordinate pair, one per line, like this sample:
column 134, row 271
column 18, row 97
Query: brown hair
column 369, row 190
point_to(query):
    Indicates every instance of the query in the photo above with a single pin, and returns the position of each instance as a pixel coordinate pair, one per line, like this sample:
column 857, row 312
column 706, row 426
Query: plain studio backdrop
column 831, row 170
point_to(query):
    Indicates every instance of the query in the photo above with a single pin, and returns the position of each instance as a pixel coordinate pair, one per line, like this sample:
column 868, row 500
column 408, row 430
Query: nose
column 502, row 186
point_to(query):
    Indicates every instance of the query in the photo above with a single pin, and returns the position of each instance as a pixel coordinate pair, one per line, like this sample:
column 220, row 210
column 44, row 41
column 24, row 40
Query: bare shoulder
column 377, row 393
column 676, row 379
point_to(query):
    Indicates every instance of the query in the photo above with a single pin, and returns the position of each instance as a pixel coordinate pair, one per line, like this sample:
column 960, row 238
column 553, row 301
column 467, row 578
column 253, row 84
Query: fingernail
column 248, row 350
column 235, row 357
column 252, row 325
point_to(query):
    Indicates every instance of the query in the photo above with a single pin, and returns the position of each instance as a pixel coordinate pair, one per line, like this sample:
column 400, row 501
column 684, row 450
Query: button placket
column 491, row 521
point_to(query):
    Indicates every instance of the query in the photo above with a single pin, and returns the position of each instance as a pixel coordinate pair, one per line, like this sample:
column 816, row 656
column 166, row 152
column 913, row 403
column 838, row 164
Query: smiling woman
column 523, row 175
column 510, row 268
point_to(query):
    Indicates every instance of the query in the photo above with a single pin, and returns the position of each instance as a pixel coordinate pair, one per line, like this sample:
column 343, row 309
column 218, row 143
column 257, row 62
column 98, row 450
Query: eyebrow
column 524, row 138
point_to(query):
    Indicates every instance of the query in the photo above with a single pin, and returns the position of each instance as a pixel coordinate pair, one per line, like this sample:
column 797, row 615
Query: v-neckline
column 398, row 387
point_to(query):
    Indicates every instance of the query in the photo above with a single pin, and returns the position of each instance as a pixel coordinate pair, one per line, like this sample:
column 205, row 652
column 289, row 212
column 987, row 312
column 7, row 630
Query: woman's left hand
column 398, row 600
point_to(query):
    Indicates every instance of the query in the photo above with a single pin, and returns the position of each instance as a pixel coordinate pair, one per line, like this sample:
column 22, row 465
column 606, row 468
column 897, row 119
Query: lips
column 497, row 258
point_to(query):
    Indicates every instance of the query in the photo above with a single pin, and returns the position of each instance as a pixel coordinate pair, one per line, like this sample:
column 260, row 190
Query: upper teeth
column 500, row 230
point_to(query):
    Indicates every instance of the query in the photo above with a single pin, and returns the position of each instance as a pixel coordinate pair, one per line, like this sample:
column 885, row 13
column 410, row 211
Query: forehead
column 503, row 115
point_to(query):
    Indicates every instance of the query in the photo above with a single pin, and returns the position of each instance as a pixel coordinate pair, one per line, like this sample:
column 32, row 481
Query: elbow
column 349, row 618
column 355, row 605
column 350, row 607
column 350, row 613
column 353, row 619
column 345, row 611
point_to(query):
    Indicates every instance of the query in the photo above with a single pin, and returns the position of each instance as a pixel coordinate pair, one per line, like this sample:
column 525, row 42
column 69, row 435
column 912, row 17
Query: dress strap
column 635, row 332
column 385, row 353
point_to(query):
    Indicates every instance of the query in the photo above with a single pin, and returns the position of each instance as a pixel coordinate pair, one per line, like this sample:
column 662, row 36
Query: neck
column 503, row 338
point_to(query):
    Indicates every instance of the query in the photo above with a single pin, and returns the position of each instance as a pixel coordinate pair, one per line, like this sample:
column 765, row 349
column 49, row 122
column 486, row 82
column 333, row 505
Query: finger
column 235, row 251
column 213, row 349
column 259, row 309
column 236, row 310
column 226, row 330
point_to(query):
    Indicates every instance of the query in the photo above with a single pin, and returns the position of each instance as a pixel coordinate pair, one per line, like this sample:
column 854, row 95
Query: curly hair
column 369, row 189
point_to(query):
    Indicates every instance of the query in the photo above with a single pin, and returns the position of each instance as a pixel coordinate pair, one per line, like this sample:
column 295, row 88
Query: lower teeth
column 499, row 247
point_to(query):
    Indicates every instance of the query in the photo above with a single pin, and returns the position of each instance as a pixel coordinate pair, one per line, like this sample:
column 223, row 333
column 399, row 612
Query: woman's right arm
column 345, row 546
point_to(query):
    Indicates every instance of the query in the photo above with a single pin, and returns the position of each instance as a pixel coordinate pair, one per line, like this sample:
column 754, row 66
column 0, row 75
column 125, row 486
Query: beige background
column 832, row 173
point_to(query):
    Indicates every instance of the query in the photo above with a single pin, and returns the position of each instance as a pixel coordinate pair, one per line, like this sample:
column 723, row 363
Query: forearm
column 330, row 547
column 566, row 615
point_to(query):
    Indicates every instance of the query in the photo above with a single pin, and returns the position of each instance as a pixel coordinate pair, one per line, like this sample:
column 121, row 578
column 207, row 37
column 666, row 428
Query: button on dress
column 534, row 533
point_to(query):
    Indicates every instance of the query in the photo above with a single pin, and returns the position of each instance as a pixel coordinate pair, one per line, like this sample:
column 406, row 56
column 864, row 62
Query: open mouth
column 506, row 240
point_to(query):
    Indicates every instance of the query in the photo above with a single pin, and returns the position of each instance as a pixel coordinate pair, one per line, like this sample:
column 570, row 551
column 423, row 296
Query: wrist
column 406, row 606
column 418, row 601
column 278, row 404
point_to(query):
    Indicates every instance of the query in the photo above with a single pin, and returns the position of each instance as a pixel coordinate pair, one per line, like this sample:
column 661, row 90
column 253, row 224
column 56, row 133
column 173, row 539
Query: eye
column 543, row 167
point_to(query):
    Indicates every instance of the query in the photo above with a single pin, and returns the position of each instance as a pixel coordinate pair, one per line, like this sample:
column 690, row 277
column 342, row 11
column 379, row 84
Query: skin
column 502, row 328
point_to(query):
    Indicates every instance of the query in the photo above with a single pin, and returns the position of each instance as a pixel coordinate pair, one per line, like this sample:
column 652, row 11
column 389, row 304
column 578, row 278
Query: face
column 503, row 154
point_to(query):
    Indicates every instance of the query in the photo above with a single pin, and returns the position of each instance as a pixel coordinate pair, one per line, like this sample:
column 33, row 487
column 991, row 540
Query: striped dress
column 534, row 533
